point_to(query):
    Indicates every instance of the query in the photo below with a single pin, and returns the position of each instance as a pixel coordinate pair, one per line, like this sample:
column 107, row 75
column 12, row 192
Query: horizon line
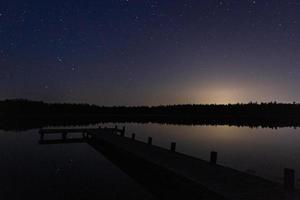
column 158, row 105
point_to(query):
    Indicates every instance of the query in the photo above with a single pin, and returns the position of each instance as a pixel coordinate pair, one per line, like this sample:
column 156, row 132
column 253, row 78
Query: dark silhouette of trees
column 271, row 114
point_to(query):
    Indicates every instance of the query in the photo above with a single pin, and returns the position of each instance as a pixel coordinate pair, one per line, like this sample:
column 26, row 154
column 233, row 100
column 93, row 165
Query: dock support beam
column 41, row 136
column 89, row 136
column 133, row 136
column 289, row 179
column 173, row 146
column 150, row 140
column 64, row 136
column 213, row 157
column 123, row 131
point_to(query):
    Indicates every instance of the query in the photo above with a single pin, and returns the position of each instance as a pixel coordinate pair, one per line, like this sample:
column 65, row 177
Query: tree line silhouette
column 21, row 112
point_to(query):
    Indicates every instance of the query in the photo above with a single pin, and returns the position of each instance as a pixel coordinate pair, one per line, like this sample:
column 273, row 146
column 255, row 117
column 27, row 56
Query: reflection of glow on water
column 262, row 151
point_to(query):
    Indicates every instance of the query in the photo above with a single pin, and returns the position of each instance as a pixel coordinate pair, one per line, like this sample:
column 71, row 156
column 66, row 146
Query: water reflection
column 79, row 171
column 264, row 152
column 61, row 171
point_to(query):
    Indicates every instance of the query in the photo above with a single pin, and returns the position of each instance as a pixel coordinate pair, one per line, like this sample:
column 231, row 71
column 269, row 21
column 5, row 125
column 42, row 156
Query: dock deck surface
column 225, row 181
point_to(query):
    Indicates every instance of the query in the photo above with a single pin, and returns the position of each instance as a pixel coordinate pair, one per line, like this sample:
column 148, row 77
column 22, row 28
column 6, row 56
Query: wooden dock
column 86, row 133
column 218, row 181
column 81, row 130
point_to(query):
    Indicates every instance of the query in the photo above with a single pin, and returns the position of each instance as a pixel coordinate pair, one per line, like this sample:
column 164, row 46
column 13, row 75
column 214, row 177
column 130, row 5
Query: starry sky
column 150, row 52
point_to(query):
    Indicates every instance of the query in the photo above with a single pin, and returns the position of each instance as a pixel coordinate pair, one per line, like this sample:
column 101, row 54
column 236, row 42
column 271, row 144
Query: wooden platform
column 216, row 179
column 65, row 132
column 81, row 130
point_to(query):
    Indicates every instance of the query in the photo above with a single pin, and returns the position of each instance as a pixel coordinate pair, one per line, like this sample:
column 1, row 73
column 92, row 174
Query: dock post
column 123, row 131
column 289, row 179
column 173, row 146
column 86, row 135
column 133, row 136
column 150, row 140
column 64, row 136
column 213, row 157
column 41, row 136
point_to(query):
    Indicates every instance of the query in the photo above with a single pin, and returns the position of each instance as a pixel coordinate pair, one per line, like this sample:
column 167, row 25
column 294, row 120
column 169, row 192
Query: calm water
column 77, row 171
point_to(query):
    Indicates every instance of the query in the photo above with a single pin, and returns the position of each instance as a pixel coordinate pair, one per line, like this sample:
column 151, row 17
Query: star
column 59, row 59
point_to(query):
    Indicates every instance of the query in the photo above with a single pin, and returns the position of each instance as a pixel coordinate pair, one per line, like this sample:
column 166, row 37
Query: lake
column 78, row 171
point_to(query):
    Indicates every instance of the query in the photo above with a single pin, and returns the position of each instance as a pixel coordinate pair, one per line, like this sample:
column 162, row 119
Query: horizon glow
column 150, row 52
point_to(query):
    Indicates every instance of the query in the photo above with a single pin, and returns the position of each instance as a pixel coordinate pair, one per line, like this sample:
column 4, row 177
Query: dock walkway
column 223, row 181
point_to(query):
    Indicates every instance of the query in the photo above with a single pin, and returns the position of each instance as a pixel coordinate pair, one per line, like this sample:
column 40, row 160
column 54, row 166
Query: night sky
column 147, row 52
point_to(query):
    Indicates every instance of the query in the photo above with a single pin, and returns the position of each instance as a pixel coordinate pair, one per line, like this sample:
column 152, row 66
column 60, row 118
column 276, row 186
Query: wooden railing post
column 173, row 146
column 133, row 136
column 150, row 140
column 289, row 179
column 64, row 136
column 213, row 157
column 115, row 130
column 41, row 136
column 123, row 131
